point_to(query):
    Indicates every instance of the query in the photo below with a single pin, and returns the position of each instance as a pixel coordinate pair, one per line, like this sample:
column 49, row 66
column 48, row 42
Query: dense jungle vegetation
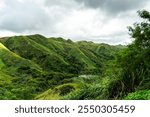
column 36, row 67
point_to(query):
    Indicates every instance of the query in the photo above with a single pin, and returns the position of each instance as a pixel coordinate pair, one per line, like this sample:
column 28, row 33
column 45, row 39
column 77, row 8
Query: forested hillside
column 36, row 67
column 32, row 64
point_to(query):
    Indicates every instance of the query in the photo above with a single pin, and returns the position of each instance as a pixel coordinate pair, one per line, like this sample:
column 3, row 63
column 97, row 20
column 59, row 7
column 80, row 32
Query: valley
column 36, row 67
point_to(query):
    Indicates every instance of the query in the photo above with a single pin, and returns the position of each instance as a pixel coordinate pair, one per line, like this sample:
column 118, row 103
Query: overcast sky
column 92, row 20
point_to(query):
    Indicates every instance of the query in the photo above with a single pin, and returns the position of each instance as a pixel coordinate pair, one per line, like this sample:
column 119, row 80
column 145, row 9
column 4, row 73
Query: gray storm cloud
column 62, row 3
column 75, row 19
column 113, row 6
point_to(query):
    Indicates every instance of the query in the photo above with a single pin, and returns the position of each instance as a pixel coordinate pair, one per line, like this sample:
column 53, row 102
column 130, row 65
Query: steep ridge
column 31, row 65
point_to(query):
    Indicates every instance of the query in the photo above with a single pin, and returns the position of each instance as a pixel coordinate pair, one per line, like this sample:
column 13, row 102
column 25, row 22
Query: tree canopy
column 135, row 60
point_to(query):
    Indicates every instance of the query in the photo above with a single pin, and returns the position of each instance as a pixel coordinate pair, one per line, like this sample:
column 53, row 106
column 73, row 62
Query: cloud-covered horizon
column 99, row 21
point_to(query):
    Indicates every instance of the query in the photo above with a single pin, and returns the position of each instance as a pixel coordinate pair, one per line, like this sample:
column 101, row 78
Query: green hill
column 31, row 65
column 59, row 55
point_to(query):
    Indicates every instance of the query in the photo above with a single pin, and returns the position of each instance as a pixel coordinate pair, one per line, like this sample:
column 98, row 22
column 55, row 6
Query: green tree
column 135, row 60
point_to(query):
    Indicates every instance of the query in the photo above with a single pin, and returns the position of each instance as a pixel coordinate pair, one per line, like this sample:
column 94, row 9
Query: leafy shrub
column 139, row 95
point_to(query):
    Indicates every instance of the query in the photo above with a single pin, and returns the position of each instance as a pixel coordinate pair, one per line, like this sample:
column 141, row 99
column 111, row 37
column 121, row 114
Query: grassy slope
column 29, row 64
column 11, row 62
column 30, row 49
column 54, row 53
column 16, row 72
column 64, row 48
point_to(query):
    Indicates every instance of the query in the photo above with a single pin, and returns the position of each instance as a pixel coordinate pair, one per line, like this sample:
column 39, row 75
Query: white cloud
column 22, row 16
column 94, row 25
column 70, row 19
